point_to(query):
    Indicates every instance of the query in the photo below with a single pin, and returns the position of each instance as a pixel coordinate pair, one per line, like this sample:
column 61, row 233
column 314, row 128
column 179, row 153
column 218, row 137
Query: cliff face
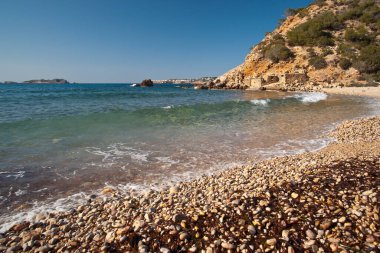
column 314, row 47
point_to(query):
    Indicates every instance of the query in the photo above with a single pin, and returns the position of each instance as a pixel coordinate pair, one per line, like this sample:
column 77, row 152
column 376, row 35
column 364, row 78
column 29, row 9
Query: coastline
column 326, row 199
column 355, row 91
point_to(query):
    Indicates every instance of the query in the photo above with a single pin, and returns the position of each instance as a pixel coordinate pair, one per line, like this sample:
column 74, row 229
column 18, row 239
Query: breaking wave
column 262, row 102
column 310, row 97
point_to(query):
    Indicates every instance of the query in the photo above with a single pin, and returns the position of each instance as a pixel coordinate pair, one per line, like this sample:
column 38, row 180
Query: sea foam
column 310, row 97
column 262, row 102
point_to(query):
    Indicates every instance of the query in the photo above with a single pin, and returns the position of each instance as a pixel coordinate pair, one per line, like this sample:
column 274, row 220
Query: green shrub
column 309, row 34
column 368, row 60
column 318, row 62
column 326, row 51
column 315, row 31
column 353, row 13
column 278, row 39
column 278, row 52
column 365, row 11
column 311, row 52
column 346, row 51
column 293, row 12
column 371, row 15
column 359, row 36
column 345, row 63
column 303, row 13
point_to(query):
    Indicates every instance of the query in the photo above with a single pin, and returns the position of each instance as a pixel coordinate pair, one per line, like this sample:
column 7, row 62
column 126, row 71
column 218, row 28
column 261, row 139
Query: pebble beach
column 323, row 201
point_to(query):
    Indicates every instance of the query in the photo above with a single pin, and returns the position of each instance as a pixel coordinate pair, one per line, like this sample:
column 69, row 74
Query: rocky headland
column 327, row 44
column 324, row 201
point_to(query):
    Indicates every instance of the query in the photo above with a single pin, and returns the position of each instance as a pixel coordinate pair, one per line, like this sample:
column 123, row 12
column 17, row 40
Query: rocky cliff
column 327, row 44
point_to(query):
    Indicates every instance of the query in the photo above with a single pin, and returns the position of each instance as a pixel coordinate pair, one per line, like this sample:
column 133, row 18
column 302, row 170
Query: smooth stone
column 285, row 234
column 173, row 190
column 137, row 224
column 164, row 250
column 251, row 230
column 54, row 241
column 334, row 247
column 325, row 225
column 271, row 242
column 184, row 236
column 179, row 217
column 110, row 237
column 310, row 234
column 14, row 248
column 294, row 195
column 309, row 243
column 226, row 245
column 342, row 219
column 43, row 249
column 209, row 250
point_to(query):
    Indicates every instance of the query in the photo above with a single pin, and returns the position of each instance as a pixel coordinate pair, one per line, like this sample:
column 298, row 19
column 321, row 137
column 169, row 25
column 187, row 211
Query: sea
column 60, row 144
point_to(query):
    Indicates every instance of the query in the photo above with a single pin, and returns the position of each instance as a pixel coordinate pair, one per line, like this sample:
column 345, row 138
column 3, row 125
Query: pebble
column 227, row 245
column 271, row 242
column 325, row 225
column 184, row 236
column 179, row 217
column 251, row 230
column 173, row 190
column 310, row 234
column 342, row 219
column 334, row 247
column 309, row 243
column 294, row 195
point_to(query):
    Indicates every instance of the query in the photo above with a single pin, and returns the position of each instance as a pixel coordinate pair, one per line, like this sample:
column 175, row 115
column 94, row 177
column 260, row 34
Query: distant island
column 39, row 81
column 48, row 81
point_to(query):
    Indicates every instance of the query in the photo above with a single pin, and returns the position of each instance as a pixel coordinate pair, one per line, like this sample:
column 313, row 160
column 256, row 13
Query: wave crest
column 310, row 97
column 262, row 102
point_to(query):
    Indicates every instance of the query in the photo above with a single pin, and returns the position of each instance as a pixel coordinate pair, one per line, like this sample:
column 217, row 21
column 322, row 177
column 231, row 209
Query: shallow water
column 63, row 140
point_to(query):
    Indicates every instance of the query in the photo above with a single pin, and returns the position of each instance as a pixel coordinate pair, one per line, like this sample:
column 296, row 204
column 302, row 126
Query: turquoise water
column 60, row 140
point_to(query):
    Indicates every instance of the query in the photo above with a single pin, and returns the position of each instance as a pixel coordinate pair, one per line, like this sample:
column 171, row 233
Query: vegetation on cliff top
column 358, row 21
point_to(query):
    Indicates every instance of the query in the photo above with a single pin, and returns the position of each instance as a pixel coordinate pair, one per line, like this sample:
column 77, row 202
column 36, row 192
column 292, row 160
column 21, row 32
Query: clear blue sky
column 128, row 40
